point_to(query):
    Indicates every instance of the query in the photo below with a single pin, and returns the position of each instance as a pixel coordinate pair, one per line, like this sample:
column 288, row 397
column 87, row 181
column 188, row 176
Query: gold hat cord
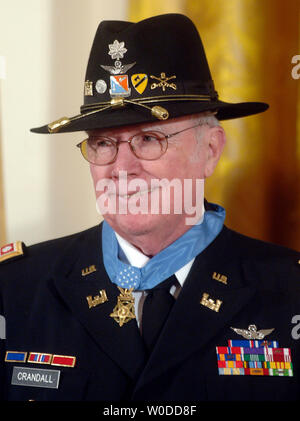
column 157, row 111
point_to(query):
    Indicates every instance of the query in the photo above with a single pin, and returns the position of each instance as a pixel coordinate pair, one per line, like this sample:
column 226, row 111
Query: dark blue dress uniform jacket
column 43, row 299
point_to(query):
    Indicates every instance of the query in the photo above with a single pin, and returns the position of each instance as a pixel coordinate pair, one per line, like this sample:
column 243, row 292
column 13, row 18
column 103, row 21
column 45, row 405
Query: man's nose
column 126, row 160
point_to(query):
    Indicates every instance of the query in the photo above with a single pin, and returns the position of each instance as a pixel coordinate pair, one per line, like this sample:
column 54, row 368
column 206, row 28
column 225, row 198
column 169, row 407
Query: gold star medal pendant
column 124, row 310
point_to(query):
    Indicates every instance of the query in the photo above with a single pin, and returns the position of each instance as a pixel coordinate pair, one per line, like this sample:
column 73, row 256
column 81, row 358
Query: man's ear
column 215, row 142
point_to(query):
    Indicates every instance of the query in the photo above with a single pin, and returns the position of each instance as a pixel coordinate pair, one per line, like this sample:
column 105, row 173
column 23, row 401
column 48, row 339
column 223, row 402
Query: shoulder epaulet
column 12, row 251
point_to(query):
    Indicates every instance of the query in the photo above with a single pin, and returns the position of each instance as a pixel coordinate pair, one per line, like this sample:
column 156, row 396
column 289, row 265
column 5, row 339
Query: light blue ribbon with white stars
column 168, row 261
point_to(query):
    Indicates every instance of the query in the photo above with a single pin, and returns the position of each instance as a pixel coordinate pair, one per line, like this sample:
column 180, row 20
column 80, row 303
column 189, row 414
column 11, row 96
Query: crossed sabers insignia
column 163, row 82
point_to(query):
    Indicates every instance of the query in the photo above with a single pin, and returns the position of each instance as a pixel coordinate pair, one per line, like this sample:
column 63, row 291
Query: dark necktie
column 156, row 308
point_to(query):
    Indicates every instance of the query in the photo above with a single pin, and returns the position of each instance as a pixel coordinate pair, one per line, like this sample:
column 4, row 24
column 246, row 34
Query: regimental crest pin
column 119, row 86
column 252, row 332
column 139, row 82
column 124, row 310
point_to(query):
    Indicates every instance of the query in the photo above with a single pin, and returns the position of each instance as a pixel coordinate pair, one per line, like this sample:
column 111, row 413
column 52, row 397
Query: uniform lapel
column 122, row 344
column 192, row 325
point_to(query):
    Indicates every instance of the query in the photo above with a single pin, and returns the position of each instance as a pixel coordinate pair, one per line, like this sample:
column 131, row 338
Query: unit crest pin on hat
column 144, row 71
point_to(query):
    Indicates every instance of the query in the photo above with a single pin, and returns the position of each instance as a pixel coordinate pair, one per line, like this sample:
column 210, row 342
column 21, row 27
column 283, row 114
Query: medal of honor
column 124, row 310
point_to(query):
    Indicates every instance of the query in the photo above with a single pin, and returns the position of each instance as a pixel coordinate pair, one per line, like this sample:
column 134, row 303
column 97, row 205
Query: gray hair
column 207, row 117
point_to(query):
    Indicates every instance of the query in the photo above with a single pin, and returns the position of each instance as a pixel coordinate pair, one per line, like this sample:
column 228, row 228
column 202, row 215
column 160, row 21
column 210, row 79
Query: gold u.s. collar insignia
column 220, row 278
column 124, row 310
column 11, row 250
column 88, row 270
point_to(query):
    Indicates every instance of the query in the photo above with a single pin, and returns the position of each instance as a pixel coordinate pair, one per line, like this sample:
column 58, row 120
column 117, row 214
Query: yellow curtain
column 250, row 45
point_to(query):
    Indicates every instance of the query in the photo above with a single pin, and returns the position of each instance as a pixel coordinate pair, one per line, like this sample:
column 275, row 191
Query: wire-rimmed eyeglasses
column 148, row 145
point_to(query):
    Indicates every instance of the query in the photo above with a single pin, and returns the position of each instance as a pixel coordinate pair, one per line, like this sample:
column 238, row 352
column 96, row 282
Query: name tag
column 37, row 377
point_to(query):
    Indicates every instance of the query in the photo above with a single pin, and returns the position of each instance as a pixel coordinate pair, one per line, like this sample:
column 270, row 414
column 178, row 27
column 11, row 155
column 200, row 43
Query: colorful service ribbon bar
column 254, row 358
column 256, row 372
column 15, row 356
column 252, row 343
column 255, row 364
column 40, row 358
column 63, row 360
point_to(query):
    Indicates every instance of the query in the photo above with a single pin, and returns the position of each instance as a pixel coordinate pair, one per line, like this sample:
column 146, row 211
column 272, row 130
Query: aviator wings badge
column 252, row 332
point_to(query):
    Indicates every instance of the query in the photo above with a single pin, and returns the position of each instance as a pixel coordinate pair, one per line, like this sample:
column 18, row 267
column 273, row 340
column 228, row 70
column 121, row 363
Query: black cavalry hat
column 144, row 71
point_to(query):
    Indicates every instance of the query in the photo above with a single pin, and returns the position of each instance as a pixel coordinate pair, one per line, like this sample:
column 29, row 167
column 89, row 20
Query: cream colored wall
column 44, row 47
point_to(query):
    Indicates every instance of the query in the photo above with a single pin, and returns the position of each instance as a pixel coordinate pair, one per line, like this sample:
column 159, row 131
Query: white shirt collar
column 136, row 258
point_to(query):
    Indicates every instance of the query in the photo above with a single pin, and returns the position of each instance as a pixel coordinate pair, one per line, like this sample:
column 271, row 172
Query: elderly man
column 162, row 301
